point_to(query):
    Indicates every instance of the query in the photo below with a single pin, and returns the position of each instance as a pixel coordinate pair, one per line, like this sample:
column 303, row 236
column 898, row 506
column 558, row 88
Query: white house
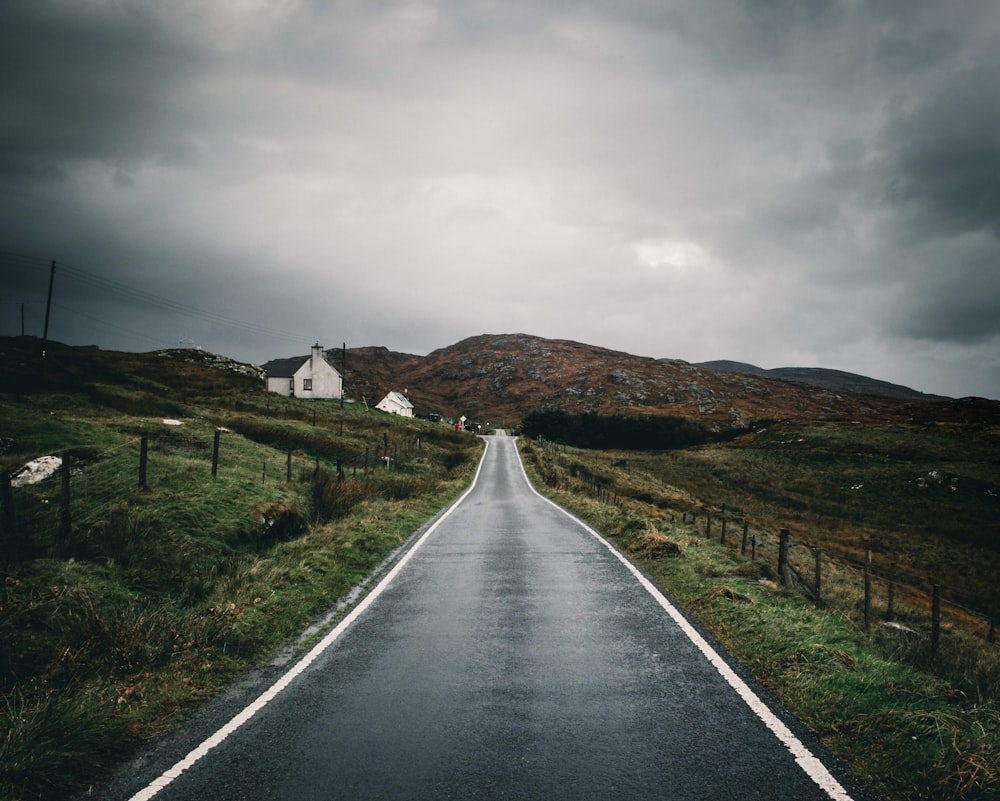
column 309, row 376
column 396, row 403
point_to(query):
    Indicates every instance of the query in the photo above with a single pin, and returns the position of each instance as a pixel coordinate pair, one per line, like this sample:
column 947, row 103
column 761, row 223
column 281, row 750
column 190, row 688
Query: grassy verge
column 154, row 598
column 912, row 727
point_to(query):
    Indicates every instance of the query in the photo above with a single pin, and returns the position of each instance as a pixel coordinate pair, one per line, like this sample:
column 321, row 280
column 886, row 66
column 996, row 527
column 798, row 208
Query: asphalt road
column 510, row 655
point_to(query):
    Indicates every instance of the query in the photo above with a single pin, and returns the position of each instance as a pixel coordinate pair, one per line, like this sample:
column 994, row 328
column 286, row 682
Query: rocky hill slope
column 499, row 378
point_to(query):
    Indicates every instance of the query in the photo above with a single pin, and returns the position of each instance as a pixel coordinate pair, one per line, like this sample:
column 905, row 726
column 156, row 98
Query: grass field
column 925, row 497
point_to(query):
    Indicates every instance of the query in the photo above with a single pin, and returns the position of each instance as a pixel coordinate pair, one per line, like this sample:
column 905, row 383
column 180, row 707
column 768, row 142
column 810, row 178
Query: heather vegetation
column 123, row 608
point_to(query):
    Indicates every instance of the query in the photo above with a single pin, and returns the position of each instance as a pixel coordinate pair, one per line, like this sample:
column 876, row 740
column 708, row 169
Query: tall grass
column 48, row 747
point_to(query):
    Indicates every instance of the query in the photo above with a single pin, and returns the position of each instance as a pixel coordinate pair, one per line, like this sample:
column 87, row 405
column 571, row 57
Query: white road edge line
column 810, row 763
column 268, row 695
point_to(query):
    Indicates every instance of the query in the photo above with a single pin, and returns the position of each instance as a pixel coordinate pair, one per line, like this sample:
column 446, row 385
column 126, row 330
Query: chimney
column 317, row 354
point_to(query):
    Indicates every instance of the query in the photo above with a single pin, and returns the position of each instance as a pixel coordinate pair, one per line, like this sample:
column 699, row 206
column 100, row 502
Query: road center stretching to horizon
column 511, row 653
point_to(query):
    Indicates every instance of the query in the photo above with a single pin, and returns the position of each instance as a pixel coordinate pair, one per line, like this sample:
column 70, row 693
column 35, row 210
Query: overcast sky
column 785, row 183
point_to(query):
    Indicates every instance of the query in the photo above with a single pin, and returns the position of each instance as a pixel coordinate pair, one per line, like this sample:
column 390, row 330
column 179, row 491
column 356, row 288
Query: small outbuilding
column 309, row 376
column 396, row 403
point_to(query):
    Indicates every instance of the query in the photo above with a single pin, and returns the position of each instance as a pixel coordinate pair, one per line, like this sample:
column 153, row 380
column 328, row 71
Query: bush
column 600, row 432
column 271, row 523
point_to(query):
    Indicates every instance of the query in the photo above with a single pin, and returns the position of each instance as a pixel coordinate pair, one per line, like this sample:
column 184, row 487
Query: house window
column 307, row 384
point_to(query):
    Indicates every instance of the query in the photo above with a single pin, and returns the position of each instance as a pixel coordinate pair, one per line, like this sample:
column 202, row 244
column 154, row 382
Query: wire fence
column 47, row 503
column 885, row 595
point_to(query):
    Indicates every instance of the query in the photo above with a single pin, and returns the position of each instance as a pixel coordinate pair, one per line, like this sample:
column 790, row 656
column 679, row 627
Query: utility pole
column 48, row 305
column 343, row 375
column 48, row 308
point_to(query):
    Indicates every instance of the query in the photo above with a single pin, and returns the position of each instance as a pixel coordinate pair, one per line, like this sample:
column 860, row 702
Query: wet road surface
column 513, row 656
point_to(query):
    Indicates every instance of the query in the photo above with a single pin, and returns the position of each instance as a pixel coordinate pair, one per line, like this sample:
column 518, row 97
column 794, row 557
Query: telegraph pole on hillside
column 48, row 309
column 48, row 305
column 343, row 373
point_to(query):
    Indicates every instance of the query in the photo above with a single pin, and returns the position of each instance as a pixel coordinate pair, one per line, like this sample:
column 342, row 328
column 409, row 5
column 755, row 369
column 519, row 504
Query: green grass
column 911, row 726
column 159, row 596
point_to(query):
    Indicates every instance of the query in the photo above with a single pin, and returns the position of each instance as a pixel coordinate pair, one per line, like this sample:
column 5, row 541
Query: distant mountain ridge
column 502, row 377
column 837, row 380
column 493, row 379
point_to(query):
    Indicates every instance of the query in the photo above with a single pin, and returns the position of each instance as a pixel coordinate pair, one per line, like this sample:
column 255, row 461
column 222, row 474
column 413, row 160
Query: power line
column 106, row 324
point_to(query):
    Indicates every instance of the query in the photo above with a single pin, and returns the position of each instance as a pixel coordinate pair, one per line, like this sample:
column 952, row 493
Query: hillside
column 836, row 380
column 493, row 378
column 500, row 378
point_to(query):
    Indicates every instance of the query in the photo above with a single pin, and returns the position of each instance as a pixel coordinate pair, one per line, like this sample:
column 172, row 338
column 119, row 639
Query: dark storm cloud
column 88, row 81
column 945, row 158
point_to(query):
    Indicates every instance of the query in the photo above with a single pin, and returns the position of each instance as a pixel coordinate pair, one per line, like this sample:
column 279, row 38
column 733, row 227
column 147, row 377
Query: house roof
column 398, row 398
column 284, row 368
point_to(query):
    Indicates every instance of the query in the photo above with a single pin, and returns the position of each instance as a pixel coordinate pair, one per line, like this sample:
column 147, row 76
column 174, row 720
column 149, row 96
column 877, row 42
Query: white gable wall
column 325, row 381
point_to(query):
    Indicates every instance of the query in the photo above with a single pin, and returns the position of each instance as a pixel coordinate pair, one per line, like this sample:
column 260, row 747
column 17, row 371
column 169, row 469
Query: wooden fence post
column 818, row 554
column 143, row 460
column 708, row 525
column 935, row 619
column 868, row 591
column 991, row 637
column 7, row 491
column 288, row 468
column 890, row 611
column 66, row 521
column 722, row 539
column 753, row 547
column 743, row 545
column 215, row 454
column 784, row 538
column 316, row 492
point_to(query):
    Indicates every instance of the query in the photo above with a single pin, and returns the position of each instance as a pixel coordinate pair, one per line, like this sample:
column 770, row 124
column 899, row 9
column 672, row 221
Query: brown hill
column 490, row 379
column 499, row 378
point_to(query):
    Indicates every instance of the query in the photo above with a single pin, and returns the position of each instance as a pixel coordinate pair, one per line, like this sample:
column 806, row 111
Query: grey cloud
column 945, row 155
column 87, row 81
column 954, row 294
